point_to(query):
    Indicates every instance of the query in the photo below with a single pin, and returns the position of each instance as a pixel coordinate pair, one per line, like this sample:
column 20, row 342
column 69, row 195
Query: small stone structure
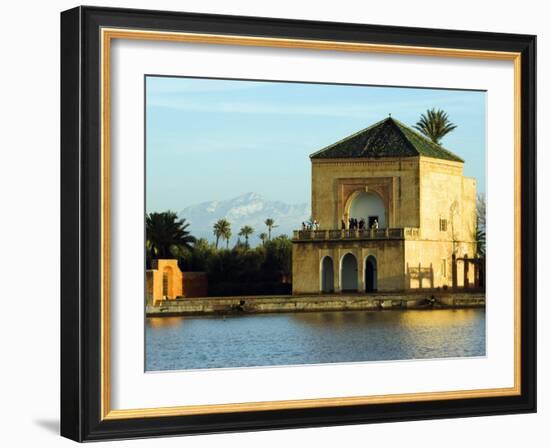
column 167, row 282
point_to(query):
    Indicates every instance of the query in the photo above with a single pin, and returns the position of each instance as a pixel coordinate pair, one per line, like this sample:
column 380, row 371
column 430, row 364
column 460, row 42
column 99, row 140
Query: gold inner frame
column 107, row 35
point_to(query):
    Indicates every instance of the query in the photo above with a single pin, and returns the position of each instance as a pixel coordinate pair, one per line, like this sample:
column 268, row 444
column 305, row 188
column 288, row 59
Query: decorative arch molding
column 384, row 187
column 353, row 195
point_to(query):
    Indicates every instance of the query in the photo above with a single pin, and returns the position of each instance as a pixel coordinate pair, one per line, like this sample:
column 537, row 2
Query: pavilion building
column 418, row 209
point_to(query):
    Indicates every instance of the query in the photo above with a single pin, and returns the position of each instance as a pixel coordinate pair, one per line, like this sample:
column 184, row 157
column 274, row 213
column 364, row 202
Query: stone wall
column 195, row 284
column 285, row 304
column 446, row 194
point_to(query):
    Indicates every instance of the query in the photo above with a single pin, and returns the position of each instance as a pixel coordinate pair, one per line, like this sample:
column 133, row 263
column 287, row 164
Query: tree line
column 240, row 270
column 222, row 230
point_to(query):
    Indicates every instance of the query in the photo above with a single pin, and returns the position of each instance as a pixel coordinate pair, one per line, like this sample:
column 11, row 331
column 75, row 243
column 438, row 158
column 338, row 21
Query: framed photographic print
column 273, row 223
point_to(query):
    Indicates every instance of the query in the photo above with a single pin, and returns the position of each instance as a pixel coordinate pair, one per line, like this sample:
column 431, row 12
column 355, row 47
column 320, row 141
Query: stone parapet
column 356, row 234
column 328, row 302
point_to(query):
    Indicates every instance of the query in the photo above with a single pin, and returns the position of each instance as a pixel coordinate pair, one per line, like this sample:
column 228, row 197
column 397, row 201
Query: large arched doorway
column 371, row 274
column 327, row 275
column 368, row 206
column 349, row 273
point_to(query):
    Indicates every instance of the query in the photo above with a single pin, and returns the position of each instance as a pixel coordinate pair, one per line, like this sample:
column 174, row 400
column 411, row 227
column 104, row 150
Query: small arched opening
column 349, row 273
column 371, row 274
column 167, row 282
column 327, row 275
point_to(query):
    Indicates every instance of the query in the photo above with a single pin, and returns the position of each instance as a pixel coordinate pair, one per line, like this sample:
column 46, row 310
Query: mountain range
column 247, row 209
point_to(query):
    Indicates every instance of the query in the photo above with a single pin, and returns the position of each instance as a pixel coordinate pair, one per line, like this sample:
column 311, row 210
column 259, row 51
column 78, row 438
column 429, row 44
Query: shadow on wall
column 419, row 277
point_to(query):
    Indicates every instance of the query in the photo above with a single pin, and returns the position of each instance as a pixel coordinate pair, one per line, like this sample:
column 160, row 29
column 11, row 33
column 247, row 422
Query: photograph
column 300, row 223
column 292, row 221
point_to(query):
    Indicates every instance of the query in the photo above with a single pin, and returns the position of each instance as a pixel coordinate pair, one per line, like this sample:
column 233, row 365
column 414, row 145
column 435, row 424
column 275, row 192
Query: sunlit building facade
column 393, row 211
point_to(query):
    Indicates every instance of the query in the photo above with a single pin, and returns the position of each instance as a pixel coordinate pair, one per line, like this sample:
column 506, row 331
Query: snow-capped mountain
column 248, row 209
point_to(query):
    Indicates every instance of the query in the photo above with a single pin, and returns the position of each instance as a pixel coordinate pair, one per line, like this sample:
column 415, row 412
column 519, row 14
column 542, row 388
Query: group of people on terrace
column 352, row 224
column 310, row 225
column 359, row 224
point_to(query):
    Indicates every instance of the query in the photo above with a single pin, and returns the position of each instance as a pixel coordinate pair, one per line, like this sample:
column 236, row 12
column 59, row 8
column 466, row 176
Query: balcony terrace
column 409, row 233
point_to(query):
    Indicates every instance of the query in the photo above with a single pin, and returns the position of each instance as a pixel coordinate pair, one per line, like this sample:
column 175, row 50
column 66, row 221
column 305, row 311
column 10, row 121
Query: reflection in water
column 166, row 322
column 311, row 338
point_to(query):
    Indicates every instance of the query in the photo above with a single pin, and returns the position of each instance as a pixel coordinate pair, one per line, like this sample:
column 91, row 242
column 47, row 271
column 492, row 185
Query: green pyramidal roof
column 387, row 138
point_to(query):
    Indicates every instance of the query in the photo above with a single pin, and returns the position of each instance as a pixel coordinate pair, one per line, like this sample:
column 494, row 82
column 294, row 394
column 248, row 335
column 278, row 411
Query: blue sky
column 216, row 139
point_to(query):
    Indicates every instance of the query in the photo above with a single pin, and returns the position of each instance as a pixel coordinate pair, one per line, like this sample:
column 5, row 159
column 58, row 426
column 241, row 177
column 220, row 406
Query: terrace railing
column 356, row 234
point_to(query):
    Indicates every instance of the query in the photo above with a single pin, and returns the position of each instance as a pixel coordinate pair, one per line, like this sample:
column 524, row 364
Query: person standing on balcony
column 375, row 224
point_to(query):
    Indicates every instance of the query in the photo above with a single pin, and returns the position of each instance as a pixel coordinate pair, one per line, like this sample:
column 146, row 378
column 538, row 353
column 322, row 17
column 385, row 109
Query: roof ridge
column 425, row 139
column 397, row 124
column 377, row 130
column 347, row 138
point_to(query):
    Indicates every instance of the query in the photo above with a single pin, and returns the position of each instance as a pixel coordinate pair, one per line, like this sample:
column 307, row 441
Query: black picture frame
column 81, row 224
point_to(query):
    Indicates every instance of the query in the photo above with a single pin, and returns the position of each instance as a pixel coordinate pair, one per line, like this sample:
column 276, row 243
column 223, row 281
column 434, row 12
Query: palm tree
column 480, row 225
column 480, row 240
column 166, row 235
column 246, row 231
column 227, row 236
column 435, row 125
column 222, row 229
column 263, row 237
column 217, row 233
column 270, row 223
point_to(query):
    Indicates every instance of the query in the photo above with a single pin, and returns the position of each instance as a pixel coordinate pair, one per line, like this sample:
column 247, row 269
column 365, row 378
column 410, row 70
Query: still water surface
column 174, row 343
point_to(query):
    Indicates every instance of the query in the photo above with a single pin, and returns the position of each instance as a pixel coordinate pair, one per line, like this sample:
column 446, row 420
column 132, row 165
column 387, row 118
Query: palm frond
column 434, row 124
